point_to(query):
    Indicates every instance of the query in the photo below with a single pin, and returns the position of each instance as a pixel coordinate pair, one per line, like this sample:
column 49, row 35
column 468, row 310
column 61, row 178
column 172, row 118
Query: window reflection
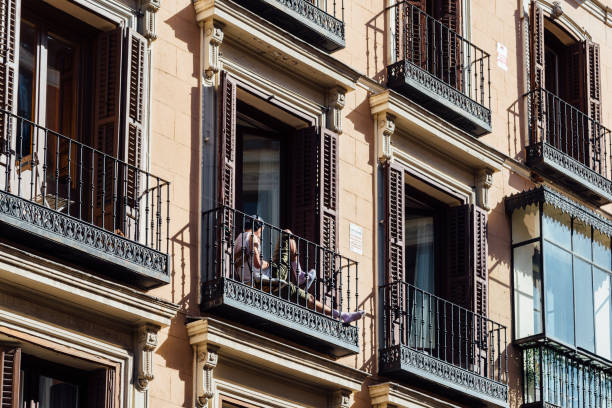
column 26, row 88
column 583, row 293
column 559, row 284
column 603, row 313
column 527, row 290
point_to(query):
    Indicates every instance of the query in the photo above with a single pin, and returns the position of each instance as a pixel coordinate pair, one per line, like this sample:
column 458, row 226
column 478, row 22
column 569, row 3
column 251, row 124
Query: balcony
column 555, row 377
column 234, row 288
column 443, row 347
column 569, row 146
column 318, row 22
column 77, row 204
column 440, row 70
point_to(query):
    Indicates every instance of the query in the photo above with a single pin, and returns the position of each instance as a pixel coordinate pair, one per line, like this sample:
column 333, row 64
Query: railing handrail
column 79, row 144
column 572, row 107
column 271, row 226
column 459, row 36
column 444, row 301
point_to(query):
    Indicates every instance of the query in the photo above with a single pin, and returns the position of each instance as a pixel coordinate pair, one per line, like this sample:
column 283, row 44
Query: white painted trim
column 395, row 395
column 113, row 10
column 578, row 32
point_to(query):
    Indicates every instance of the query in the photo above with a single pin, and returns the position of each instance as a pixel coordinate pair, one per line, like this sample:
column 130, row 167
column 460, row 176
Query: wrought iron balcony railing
column 439, row 343
column 319, row 22
column 439, row 69
column 256, row 278
column 571, row 146
column 59, row 194
column 554, row 378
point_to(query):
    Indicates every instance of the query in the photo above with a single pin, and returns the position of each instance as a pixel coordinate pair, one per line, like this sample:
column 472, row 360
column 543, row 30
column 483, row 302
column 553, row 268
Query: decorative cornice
column 149, row 10
column 146, row 343
column 260, row 351
column 394, row 395
column 385, row 128
column 545, row 194
column 484, row 181
column 337, row 100
column 212, row 37
column 341, row 399
column 207, row 357
column 65, row 229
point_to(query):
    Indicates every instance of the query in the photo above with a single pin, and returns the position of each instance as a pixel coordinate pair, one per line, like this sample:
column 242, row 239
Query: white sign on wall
column 502, row 56
column 356, row 239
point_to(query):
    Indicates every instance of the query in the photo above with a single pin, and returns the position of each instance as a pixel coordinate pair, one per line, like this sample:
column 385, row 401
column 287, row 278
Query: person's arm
column 257, row 261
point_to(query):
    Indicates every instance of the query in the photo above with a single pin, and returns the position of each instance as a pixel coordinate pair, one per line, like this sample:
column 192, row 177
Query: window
column 562, row 279
column 29, row 380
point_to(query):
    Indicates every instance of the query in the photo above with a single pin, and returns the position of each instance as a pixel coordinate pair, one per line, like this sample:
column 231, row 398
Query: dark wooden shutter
column 394, row 228
column 537, row 71
column 101, row 388
column 10, row 364
column 449, row 13
column 466, row 261
column 109, row 47
column 9, row 60
column 135, row 60
column 304, row 156
column 416, row 27
column 592, row 102
column 227, row 140
column 329, row 189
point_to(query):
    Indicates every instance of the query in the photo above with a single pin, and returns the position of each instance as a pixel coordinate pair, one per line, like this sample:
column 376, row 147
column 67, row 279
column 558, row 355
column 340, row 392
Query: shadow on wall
column 376, row 46
column 176, row 352
column 516, row 113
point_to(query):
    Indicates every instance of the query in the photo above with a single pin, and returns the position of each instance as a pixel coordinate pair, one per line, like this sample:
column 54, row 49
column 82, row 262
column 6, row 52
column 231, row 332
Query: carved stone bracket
column 484, row 181
column 149, row 10
column 341, row 399
column 385, row 128
column 146, row 342
column 206, row 360
column 212, row 37
column 337, row 100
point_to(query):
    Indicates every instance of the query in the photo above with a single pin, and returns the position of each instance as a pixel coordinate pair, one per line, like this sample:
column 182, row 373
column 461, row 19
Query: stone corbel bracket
column 212, row 37
column 337, row 100
column 342, row 399
column 146, row 342
column 484, row 181
column 385, row 128
column 149, row 10
column 207, row 357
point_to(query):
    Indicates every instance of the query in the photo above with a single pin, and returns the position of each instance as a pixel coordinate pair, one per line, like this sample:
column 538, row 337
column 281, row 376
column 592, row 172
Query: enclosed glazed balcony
column 570, row 146
column 318, row 22
column 437, row 68
column 76, row 204
column 443, row 347
column 251, row 273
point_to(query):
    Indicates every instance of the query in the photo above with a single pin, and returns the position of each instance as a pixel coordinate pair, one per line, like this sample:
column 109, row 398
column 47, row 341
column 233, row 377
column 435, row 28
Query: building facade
column 305, row 203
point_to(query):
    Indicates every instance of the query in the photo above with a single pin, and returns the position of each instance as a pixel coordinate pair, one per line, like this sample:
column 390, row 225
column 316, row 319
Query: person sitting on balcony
column 248, row 262
column 285, row 255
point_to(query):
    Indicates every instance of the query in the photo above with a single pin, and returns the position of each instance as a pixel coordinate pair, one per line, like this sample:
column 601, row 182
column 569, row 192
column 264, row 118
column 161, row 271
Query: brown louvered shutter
column 107, row 121
column 9, row 60
column 394, row 235
column 449, row 13
column 537, row 70
column 135, row 60
column 415, row 21
column 466, row 261
column 10, row 364
column 329, row 189
column 100, row 388
column 227, row 140
column 592, row 101
column 304, row 187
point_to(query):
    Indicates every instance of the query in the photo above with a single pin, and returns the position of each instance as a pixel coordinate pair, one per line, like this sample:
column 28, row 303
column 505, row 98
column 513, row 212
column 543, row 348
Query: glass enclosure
column 562, row 279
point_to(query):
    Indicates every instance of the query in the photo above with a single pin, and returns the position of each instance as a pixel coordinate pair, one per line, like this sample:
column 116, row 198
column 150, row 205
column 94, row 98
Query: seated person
column 286, row 252
column 248, row 262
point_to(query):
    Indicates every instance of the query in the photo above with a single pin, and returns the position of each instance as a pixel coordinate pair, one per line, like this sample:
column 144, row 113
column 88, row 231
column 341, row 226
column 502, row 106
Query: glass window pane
column 525, row 223
column 60, row 86
column 26, row 88
column 556, row 226
column 581, row 239
column 601, row 250
column 419, row 232
column 559, row 297
column 527, row 290
column 603, row 313
column 54, row 393
column 583, row 293
column 261, row 177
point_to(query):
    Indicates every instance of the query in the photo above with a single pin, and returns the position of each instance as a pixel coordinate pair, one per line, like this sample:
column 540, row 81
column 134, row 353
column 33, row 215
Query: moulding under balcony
column 429, row 129
column 390, row 394
column 45, row 278
column 263, row 39
column 231, row 341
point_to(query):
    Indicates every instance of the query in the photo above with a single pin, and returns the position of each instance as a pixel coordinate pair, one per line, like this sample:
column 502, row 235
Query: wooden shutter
column 101, row 388
column 416, row 26
column 592, row 106
column 107, row 111
column 537, row 71
column 329, row 189
column 135, row 60
column 449, row 13
column 9, row 62
column 466, row 261
column 10, row 364
column 304, row 185
column 227, row 140
column 394, row 228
